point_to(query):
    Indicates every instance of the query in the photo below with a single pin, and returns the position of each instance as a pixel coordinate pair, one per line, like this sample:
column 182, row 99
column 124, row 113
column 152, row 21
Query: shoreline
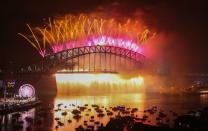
column 20, row 107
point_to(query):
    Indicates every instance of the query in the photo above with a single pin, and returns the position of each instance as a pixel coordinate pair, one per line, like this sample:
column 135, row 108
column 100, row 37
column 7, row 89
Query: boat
column 196, row 89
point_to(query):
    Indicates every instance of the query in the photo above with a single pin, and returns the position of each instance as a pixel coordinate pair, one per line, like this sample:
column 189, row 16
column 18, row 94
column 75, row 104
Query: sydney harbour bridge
column 86, row 59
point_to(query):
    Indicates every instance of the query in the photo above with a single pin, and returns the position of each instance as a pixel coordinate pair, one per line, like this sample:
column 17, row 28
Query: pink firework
column 42, row 53
column 102, row 41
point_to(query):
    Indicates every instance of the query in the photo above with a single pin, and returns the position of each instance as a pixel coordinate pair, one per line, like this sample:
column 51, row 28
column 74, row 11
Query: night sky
column 181, row 25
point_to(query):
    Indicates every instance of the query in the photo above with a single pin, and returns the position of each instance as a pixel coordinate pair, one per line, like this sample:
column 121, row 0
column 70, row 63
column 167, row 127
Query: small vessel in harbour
column 196, row 89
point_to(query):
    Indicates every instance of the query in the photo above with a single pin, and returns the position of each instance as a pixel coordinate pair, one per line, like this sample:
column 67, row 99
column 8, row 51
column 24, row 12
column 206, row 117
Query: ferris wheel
column 26, row 90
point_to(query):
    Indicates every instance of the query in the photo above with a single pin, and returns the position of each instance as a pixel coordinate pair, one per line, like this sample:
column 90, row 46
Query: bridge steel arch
column 61, row 58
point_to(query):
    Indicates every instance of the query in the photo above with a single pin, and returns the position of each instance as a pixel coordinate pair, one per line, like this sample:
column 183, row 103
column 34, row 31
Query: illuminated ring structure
column 26, row 90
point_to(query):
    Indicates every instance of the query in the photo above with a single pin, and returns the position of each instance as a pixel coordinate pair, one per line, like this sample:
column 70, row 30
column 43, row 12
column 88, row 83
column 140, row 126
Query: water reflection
column 62, row 104
column 105, row 95
column 204, row 99
column 69, row 103
column 19, row 120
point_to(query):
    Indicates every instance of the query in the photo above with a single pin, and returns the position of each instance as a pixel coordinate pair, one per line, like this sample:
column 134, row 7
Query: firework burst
column 74, row 31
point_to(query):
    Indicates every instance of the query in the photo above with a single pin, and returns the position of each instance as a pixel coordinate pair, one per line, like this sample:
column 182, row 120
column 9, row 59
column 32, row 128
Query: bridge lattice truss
column 56, row 61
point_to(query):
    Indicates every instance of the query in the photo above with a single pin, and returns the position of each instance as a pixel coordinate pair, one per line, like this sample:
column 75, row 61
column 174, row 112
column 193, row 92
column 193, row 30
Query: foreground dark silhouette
column 192, row 121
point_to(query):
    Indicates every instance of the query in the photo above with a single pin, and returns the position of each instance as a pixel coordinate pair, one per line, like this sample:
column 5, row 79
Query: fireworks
column 99, row 83
column 75, row 31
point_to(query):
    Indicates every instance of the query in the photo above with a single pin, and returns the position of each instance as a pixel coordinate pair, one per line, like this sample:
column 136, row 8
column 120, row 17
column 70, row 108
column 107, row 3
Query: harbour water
column 60, row 103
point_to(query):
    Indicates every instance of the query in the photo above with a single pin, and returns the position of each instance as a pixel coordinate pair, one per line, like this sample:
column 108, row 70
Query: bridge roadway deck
column 93, row 72
column 2, row 75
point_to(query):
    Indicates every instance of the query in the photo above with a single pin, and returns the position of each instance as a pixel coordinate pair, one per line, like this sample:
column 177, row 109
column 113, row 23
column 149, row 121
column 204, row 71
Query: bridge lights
column 139, row 50
column 133, row 46
column 128, row 44
column 89, row 43
column 109, row 41
column 95, row 41
column 135, row 49
column 119, row 42
column 102, row 40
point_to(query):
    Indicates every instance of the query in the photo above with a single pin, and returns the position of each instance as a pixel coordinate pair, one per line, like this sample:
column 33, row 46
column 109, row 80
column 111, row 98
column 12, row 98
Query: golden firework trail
column 81, row 28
